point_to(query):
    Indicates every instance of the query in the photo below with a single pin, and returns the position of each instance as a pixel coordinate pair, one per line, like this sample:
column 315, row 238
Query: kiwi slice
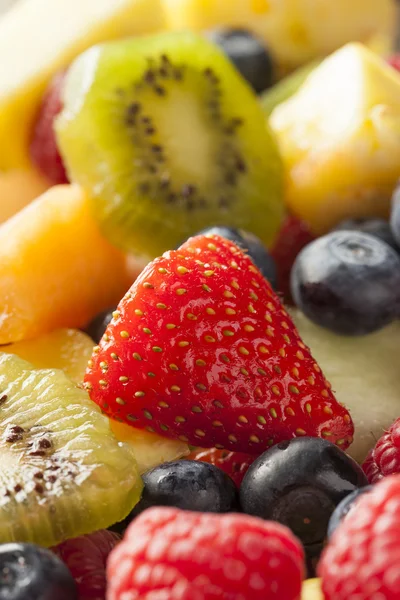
column 286, row 88
column 168, row 139
column 62, row 471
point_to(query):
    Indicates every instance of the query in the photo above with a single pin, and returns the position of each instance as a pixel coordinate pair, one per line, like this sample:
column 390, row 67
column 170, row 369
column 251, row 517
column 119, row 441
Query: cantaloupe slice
column 18, row 188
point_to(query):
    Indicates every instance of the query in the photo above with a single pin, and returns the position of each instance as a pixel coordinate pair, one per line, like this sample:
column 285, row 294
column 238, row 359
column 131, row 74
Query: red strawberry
column 293, row 237
column 202, row 350
column 384, row 459
column 234, row 464
column 86, row 558
column 362, row 561
column 44, row 150
column 179, row 555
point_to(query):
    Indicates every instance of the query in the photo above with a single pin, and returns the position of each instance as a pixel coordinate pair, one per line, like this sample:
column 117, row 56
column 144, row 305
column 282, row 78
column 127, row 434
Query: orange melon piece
column 56, row 269
column 66, row 349
column 18, row 188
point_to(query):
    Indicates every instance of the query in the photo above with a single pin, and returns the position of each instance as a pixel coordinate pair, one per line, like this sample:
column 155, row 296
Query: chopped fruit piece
column 250, row 244
column 364, row 376
column 127, row 138
column 384, row 459
column 64, row 33
column 56, row 270
column 17, row 189
column 205, row 556
column 345, row 507
column 294, row 31
column 286, row 87
column 293, row 237
column 201, row 349
column 379, row 228
column 59, row 457
column 339, row 137
column 66, row 349
column 362, row 558
column 44, row 150
column 150, row 449
column 28, row 571
column 348, row 282
column 312, row 590
column 234, row 464
column 189, row 485
column 299, row 483
column 86, row 556
column 248, row 54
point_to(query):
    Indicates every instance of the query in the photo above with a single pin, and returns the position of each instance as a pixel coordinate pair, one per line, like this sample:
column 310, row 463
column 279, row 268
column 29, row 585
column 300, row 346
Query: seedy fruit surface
column 384, row 459
column 202, row 350
column 234, row 464
column 61, row 465
column 172, row 553
column 168, row 139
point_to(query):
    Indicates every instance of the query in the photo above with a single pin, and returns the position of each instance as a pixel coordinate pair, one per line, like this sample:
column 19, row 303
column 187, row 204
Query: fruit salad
column 199, row 300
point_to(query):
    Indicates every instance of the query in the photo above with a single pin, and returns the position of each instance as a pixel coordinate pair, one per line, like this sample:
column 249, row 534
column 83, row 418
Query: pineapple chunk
column 340, row 139
column 295, row 31
column 38, row 38
column 312, row 590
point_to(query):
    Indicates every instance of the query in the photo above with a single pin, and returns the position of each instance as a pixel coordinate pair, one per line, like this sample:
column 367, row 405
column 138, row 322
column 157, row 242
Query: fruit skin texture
column 193, row 556
column 292, row 238
column 28, row 571
column 189, row 485
column 56, row 269
column 384, row 459
column 86, row 557
column 395, row 215
column 98, row 325
column 348, row 282
column 362, row 559
column 299, row 483
column 379, row 228
column 331, row 133
column 202, row 350
column 234, row 464
column 347, row 505
column 130, row 202
column 18, row 188
column 64, row 34
column 44, row 150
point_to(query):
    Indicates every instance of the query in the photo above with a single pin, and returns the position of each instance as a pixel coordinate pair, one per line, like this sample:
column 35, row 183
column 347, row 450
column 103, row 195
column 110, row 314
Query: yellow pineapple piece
column 66, row 349
column 312, row 590
column 18, row 188
column 56, row 269
column 296, row 31
column 39, row 38
column 339, row 136
column 150, row 449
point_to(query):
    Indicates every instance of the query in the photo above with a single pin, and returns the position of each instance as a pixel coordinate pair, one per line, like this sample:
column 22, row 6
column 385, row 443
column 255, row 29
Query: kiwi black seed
column 168, row 138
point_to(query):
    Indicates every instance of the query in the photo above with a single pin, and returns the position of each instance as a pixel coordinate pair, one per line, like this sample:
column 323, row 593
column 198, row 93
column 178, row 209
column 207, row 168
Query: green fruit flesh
column 62, row 471
column 168, row 139
column 285, row 88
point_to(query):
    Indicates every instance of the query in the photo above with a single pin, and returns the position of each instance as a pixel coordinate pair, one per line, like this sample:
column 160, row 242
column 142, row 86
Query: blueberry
column 252, row 245
column 348, row 282
column 379, row 228
column 395, row 216
column 189, row 485
column 345, row 506
column 248, row 54
column 28, row 572
column 98, row 325
column 299, row 483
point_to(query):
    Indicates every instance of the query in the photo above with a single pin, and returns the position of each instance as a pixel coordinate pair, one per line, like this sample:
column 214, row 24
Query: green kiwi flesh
column 167, row 138
column 62, row 472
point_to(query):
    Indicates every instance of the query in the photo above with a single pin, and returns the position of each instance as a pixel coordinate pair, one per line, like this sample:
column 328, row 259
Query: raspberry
column 171, row 554
column 44, row 149
column 362, row 560
column 86, row 558
column 384, row 459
